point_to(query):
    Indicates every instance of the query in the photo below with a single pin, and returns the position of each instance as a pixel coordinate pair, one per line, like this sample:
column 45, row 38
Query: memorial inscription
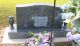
column 40, row 21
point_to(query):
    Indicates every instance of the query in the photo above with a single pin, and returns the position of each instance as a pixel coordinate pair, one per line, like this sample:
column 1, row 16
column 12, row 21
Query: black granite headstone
column 36, row 18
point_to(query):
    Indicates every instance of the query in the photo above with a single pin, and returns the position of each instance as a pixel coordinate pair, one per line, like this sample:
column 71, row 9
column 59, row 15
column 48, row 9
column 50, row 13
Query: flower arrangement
column 38, row 39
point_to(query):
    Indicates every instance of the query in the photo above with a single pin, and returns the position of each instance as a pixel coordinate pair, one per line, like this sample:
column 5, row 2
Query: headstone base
column 22, row 34
column 14, row 40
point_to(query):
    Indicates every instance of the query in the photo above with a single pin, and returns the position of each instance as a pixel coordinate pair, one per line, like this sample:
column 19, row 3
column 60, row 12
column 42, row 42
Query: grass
column 7, row 8
column 6, row 11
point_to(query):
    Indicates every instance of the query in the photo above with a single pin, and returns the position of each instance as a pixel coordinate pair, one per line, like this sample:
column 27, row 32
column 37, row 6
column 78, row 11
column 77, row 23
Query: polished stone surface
column 37, row 18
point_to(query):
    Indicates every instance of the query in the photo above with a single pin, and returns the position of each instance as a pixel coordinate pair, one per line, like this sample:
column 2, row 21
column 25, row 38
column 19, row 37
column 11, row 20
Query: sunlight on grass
column 7, row 7
column 59, row 2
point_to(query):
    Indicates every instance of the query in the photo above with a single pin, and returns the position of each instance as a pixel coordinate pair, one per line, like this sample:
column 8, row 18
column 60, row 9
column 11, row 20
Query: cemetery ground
column 5, row 11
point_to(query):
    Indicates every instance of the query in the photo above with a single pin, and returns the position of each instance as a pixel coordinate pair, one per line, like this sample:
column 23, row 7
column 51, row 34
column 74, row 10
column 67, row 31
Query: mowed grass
column 8, row 8
column 6, row 11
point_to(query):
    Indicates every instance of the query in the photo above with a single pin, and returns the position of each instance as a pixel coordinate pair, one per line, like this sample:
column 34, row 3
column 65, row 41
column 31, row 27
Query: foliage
column 30, row 34
column 38, row 39
column 75, row 2
column 70, row 25
column 71, row 9
column 75, row 9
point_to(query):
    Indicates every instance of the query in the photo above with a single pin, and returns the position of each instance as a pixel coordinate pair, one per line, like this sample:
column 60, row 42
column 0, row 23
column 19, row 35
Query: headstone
column 36, row 18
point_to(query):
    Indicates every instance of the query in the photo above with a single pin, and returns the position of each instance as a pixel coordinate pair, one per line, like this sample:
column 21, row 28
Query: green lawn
column 7, row 8
column 5, row 11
